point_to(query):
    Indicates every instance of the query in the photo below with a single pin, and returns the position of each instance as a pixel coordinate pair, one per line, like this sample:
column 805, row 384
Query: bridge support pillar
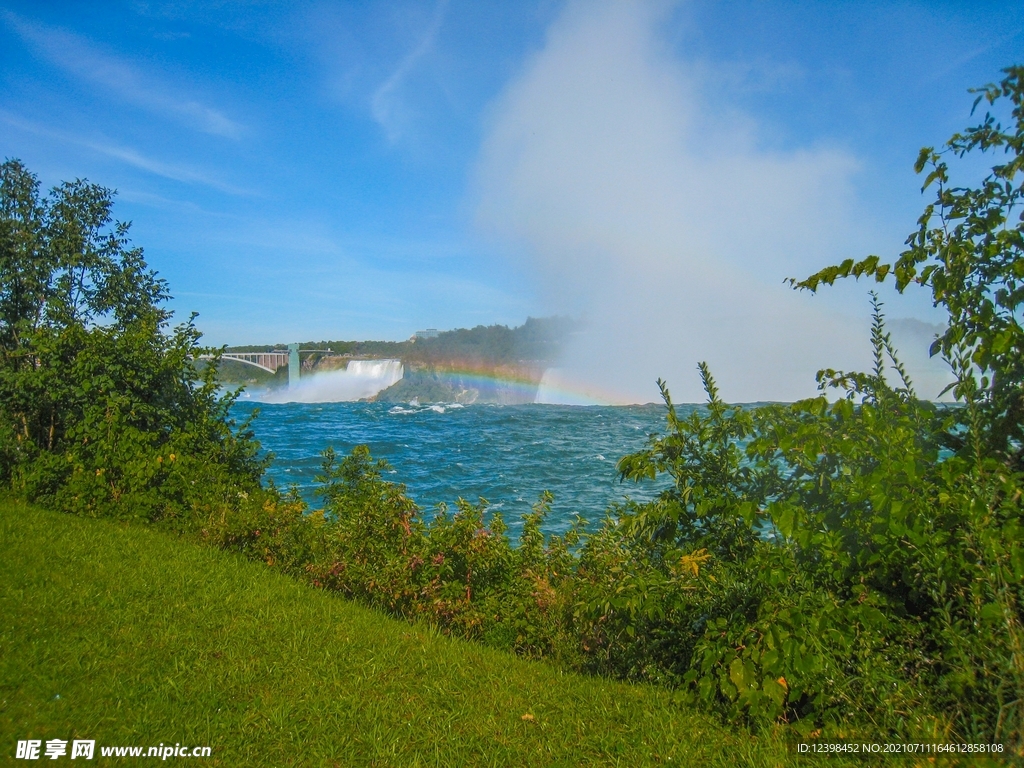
column 293, row 366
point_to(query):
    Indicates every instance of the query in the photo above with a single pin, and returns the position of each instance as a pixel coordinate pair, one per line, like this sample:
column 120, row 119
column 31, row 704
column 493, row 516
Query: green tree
column 101, row 408
column 834, row 563
column 968, row 250
column 959, row 521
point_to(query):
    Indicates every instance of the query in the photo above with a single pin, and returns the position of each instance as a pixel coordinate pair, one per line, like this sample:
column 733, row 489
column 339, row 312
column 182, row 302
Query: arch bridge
column 267, row 361
column 272, row 361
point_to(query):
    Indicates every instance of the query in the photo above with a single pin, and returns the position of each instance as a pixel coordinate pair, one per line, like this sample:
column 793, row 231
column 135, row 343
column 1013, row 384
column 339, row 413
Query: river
column 507, row 454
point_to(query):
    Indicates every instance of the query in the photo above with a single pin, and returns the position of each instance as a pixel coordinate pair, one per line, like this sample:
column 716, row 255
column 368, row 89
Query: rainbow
column 550, row 386
column 517, row 384
column 562, row 388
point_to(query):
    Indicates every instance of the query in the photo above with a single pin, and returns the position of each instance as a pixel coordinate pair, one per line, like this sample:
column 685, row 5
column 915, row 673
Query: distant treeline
column 539, row 339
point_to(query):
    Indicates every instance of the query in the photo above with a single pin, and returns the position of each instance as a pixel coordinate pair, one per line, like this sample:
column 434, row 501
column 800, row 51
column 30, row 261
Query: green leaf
column 992, row 612
column 738, row 674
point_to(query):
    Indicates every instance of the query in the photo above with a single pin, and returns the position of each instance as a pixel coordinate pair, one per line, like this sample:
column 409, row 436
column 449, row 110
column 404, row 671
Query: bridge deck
column 267, row 361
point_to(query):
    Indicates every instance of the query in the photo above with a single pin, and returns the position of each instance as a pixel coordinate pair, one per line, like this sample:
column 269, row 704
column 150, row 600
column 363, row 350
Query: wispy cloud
column 76, row 56
column 127, row 155
column 159, row 202
column 970, row 56
column 384, row 105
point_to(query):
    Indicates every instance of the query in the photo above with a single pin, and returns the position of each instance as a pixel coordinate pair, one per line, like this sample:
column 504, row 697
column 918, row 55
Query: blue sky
column 363, row 170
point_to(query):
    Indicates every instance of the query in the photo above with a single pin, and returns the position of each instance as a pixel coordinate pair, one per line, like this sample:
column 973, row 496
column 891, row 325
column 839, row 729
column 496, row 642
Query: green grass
column 130, row 636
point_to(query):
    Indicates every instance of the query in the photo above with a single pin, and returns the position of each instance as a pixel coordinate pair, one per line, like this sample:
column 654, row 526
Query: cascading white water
column 360, row 380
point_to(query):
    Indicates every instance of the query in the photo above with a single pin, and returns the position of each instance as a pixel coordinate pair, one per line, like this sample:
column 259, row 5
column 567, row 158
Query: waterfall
column 360, row 380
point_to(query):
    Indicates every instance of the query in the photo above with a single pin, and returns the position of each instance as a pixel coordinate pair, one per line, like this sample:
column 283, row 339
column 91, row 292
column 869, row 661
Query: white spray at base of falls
column 558, row 387
column 360, row 380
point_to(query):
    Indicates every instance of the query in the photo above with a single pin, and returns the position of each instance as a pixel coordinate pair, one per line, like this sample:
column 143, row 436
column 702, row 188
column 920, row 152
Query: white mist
column 362, row 379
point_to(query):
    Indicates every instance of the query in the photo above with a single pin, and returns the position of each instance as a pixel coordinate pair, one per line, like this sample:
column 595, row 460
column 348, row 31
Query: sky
column 312, row 170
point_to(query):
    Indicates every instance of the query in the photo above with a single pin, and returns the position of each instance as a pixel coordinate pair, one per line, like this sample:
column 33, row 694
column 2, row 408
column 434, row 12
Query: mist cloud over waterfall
column 360, row 380
column 647, row 206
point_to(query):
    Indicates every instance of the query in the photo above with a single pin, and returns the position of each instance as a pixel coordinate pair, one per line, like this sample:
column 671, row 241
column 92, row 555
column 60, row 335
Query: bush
column 458, row 571
column 854, row 563
column 102, row 411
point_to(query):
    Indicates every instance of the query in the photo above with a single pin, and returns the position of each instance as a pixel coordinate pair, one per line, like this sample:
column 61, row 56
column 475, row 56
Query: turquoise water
column 506, row 454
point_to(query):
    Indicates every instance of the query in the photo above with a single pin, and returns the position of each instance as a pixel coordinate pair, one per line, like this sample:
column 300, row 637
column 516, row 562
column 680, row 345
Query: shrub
column 102, row 411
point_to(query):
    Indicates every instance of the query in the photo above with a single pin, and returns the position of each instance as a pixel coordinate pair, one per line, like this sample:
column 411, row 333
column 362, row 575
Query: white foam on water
column 415, row 407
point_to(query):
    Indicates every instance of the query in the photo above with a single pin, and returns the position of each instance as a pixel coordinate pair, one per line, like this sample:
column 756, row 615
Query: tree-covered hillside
column 462, row 365
column 538, row 340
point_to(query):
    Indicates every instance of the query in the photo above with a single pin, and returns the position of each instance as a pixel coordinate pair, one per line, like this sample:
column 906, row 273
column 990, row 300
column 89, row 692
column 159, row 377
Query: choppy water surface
column 505, row 454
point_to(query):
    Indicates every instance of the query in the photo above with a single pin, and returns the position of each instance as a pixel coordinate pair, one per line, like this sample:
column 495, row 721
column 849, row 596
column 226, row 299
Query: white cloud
column 127, row 155
column 646, row 204
column 385, row 105
column 913, row 338
column 76, row 56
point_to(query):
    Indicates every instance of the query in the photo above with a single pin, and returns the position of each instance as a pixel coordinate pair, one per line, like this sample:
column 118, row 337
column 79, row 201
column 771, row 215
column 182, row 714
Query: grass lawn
column 129, row 636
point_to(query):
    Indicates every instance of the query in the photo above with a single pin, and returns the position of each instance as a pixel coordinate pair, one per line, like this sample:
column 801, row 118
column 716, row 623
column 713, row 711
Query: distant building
column 430, row 333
